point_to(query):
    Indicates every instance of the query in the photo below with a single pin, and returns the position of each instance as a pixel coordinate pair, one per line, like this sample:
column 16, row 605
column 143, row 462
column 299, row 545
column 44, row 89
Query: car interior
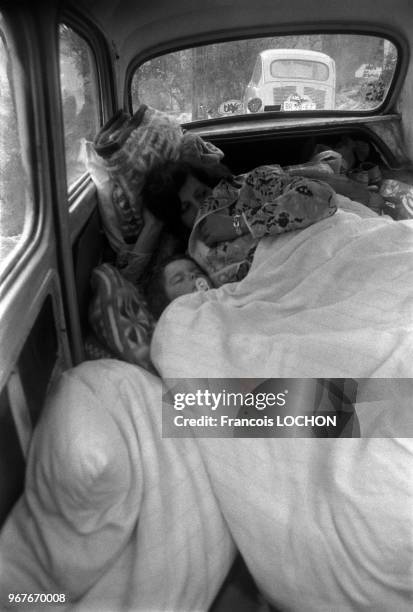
column 98, row 509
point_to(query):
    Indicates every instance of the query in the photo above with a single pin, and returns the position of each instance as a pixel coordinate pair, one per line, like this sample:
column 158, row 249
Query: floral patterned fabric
column 271, row 202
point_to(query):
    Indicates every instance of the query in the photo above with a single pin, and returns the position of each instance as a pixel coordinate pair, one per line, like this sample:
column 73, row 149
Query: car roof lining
column 139, row 32
column 135, row 27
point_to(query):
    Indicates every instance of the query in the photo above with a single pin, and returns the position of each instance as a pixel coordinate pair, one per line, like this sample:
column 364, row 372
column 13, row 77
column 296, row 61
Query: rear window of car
column 299, row 69
column 216, row 80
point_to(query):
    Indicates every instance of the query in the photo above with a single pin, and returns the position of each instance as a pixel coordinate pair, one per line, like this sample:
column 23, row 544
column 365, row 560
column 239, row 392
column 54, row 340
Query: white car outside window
column 291, row 80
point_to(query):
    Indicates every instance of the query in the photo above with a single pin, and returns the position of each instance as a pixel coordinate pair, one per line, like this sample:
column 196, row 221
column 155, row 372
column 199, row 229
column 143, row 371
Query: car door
column 46, row 205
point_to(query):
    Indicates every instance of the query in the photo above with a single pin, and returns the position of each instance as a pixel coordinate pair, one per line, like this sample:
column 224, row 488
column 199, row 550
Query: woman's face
column 192, row 194
column 180, row 276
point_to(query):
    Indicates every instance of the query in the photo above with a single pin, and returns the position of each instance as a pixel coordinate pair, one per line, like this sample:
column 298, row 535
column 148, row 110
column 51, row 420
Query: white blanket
column 115, row 517
column 333, row 300
column 322, row 524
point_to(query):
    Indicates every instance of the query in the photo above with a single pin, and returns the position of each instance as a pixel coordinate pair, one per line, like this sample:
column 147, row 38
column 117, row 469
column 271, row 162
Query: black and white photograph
column 206, row 306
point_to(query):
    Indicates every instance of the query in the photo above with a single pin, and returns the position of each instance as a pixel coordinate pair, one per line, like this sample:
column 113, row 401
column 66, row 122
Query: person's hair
column 155, row 289
column 162, row 185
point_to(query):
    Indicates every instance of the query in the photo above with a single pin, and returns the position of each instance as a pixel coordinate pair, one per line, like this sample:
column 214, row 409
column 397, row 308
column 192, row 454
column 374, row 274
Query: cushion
column 119, row 316
column 123, row 152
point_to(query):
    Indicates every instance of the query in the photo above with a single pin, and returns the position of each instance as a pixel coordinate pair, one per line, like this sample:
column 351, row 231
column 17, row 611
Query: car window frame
column 387, row 106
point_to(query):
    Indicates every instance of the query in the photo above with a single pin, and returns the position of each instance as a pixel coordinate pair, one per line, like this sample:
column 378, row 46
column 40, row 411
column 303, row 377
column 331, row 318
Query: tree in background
column 79, row 98
column 198, row 80
column 13, row 187
column 165, row 82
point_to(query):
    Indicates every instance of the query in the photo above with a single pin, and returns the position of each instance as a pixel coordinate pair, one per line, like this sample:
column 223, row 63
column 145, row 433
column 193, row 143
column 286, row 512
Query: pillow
column 124, row 150
column 119, row 316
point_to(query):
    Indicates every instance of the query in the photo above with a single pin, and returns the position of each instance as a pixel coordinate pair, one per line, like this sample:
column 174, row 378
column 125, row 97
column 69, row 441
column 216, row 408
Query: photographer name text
column 206, row 399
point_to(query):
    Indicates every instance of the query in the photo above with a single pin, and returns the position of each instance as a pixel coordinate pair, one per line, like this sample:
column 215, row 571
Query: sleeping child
column 175, row 276
column 228, row 215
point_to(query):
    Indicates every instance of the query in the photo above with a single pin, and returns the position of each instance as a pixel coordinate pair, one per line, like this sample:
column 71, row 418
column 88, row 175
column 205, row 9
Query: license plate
column 293, row 106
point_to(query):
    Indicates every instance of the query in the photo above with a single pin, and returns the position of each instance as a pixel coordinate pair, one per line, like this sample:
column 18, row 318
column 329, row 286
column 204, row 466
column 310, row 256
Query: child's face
column 180, row 278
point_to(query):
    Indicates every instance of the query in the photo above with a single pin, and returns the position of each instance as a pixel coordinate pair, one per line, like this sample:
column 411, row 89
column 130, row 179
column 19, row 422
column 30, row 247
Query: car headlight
column 254, row 105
